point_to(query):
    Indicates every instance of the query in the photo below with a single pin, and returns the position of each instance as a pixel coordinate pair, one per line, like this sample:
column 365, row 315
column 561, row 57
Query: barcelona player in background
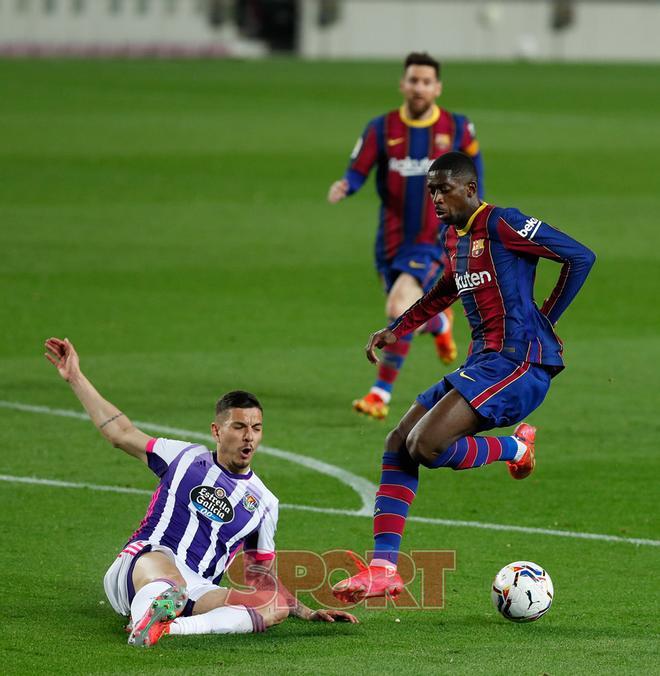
column 492, row 254
column 401, row 145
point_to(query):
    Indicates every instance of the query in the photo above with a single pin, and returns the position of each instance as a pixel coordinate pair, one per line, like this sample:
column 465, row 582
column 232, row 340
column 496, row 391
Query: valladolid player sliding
column 400, row 145
column 492, row 254
column 206, row 507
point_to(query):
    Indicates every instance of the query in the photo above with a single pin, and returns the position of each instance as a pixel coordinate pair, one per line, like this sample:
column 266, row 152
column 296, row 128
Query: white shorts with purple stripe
column 118, row 582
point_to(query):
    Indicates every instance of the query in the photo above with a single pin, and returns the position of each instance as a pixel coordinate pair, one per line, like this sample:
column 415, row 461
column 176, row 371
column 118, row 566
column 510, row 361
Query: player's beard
column 419, row 107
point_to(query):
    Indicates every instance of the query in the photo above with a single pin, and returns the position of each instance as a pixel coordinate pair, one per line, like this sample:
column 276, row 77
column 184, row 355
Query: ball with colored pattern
column 522, row 591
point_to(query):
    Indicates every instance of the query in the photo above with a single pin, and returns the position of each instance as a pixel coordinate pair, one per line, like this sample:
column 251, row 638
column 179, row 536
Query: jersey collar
column 435, row 116
column 468, row 225
column 233, row 475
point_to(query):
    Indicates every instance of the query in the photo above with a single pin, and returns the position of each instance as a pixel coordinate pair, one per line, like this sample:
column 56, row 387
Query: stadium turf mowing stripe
column 338, row 473
column 170, row 219
column 348, row 512
column 365, row 489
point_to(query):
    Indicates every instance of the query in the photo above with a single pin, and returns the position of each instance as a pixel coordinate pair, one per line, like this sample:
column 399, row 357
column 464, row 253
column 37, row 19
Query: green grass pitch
column 170, row 219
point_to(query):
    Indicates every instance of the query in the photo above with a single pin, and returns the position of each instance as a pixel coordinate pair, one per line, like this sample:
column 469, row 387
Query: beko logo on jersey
column 530, row 228
column 410, row 167
column 213, row 503
column 469, row 281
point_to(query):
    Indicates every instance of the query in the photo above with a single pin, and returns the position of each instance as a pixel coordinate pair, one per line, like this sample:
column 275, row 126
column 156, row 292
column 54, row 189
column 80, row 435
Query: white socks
column 521, row 450
column 225, row 620
column 385, row 563
column 383, row 394
column 144, row 597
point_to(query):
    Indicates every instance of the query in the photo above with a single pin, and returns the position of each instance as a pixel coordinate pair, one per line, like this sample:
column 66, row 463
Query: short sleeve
column 261, row 543
column 162, row 452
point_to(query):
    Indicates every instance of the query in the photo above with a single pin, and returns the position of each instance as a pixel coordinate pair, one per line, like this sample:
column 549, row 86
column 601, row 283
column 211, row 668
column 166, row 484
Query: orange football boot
column 372, row 405
column 525, row 466
column 371, row 581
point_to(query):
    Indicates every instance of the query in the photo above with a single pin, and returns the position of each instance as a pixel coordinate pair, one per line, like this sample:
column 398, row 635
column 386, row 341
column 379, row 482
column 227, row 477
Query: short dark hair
column 422, row 59
column 237, row 399
column 459, row 164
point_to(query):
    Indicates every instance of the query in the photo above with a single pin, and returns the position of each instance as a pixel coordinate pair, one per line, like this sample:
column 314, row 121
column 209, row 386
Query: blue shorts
column 501, row 391
column 419, row 261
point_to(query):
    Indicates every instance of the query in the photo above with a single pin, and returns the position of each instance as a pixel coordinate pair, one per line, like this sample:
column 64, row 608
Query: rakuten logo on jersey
column 530, row 228
column 410, row 167
column 469, row 281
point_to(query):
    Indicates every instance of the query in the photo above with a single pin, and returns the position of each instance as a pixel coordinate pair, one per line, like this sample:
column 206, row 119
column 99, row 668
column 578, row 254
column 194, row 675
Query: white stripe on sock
column 521, row 449
column 383, row 394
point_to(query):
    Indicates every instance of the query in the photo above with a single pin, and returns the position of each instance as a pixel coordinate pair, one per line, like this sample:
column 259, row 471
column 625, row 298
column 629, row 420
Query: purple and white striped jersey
column 203, row 512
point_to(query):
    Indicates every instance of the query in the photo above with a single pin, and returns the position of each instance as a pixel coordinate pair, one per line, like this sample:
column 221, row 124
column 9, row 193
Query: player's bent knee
column 175, row 580
column 154, row 566
column 395, row 440
column 394, row 307
column 421, row 449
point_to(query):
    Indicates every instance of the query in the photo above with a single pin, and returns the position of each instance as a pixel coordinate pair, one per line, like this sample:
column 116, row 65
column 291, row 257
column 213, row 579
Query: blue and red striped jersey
column 402, row 150
column 491, row 265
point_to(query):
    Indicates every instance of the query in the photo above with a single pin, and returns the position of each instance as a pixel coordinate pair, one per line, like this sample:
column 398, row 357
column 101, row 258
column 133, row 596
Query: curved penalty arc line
column 365, row 489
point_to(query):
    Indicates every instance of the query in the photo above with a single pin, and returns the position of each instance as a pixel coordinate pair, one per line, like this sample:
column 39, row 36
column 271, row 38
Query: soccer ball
column 522, row 591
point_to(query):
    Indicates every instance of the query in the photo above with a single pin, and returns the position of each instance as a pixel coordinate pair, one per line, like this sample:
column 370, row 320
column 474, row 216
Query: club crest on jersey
column 250, row 502
column 213, row 503
column 477, row 247
column 442, row 141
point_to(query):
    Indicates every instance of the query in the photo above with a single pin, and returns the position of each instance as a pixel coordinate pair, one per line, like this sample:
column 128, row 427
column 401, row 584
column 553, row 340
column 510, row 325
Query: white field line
column 364, row 488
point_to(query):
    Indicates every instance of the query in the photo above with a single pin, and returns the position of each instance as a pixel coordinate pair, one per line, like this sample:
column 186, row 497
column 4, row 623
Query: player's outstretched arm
column 437, row 299
column 331, row 615
column 260, row 576
column 109, row 420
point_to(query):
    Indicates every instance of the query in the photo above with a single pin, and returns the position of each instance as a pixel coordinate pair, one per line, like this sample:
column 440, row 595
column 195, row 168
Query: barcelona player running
column 401, row 145
column 492, row 254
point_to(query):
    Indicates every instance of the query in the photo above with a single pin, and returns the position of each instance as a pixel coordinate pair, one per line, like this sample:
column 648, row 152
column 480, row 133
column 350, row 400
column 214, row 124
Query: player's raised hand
column 333, row 616
column 338, row 190
column 378, row 340
column 63, row 356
